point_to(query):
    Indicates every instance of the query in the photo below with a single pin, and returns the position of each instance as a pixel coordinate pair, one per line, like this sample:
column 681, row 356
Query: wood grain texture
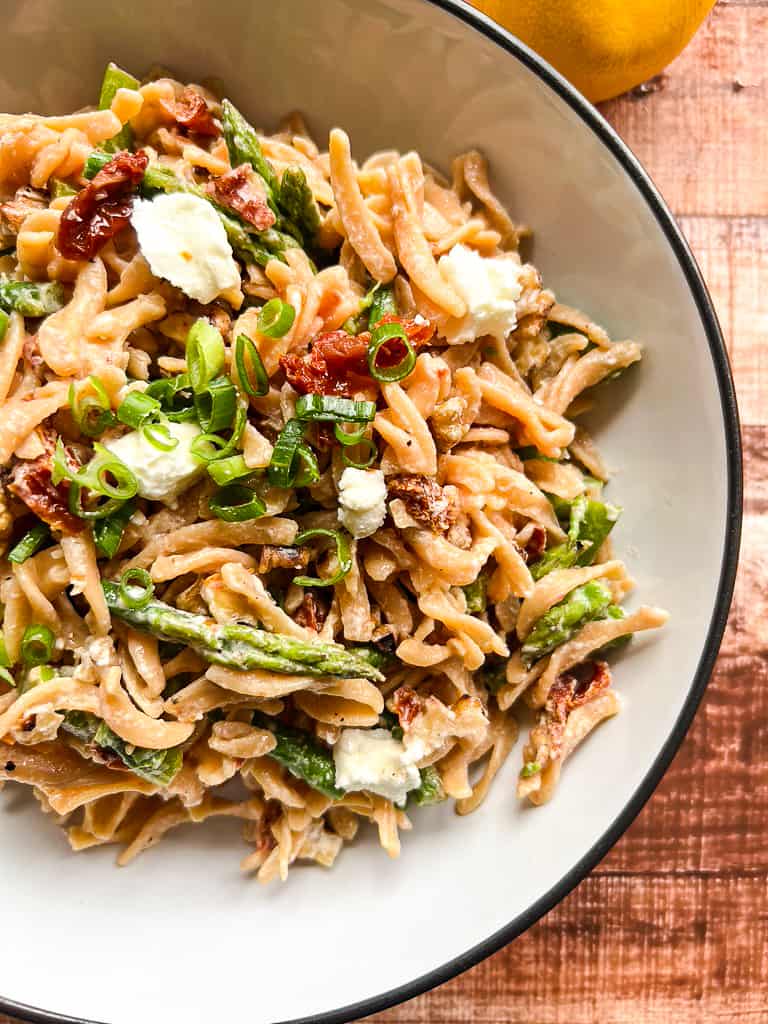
column 672, row 927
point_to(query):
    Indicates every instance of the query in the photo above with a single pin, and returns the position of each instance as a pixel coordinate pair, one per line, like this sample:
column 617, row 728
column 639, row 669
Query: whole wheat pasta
column 311, row 517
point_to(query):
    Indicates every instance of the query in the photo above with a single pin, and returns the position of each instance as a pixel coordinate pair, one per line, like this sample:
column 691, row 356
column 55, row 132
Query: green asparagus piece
column 559, row 624
column 590, row 522
column 494, row 672
column 239, row 646
column 430, row 790
column 383, row 304
column 302, row 755
column 388, row 720
column 159, row 767
column 298, row 204
column 244, row 147
column 475, row 594
column 59, row 188
column 4, row 321
column 30, row 299
column 376, row 656
column 115, row 78
column 528, row 452
column 613, row 612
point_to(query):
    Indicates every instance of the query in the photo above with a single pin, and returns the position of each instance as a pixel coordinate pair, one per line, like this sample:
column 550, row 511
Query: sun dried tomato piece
column 191, row 112
column 102, row 209
column 536, row 545
column 239, row 190
column 337, row 362
column 311, row 613
column 424, row 500
column 406, row 704
column 31, row 482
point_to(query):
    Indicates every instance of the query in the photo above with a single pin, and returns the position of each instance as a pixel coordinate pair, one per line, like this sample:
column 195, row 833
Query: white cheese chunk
column 362, row 501
column 490, row 286
column 374, row 760
column 162, row 476
column 184, row 241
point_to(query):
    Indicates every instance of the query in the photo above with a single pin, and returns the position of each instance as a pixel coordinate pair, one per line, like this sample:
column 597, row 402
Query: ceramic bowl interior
column 180, row 935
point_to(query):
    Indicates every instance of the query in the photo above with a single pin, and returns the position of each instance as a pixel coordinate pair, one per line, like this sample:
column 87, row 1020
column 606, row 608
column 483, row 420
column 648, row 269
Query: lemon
column 603, row 46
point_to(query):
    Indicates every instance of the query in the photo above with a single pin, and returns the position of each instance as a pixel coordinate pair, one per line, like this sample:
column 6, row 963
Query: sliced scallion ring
column 235, row 503
column 343, row 557
column 137, row 408
column 205, row 354
column 90, row 406
column 37, row 645
column 136, row 587
column 283, row 465
column 216, row 405
column 346, row 438
column 275, row 318
column 253, row 381
column 367, row 459
column 225, row 471
column 380, row 336
column 159, row 436
column 334, row 409
column 176, row 397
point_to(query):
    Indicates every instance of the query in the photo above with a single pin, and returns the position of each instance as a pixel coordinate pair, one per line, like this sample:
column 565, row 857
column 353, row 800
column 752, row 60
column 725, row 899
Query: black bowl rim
column 640, row 177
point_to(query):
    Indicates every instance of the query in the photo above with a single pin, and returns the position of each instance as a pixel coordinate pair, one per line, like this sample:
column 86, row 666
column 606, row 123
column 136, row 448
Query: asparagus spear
column 31, row 299
column 494, row 672
column 250, row 246
column 297, row 202
column 302, row 755
column 115, row 78
column 430, row 790
column 613, row 612
column 244, row 147
column 590, row 523
column 558, row 625
column 239, row 646
column 475, row 595
column 157, row 766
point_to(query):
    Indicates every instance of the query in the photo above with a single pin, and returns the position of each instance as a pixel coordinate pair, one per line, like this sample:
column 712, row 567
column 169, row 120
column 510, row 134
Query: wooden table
column 672, row 927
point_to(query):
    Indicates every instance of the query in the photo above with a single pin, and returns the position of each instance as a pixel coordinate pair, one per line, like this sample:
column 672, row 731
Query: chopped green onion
column 108, row 532
column 31, row 542
column 205, row 354
column 347, row 438
column 6, row 677
column 58, row 188
column 37, row 645
column 530, row 768
column 92, row 413
column 275, row 319
column 334, row 409
column 283, row 466
column 382, row 304
column 309, row 471
column 380, row 336
column 209, row 447
column 245, row 347
column 224, row 471
column 4, row 321
column 137, row 408
column 365, row 460
column 216, row 405
column 159, row 436
column 235, row 503
column 95, row 477
column 176, row 397
column 343, row 556
column 5, row 661
column 134, row 580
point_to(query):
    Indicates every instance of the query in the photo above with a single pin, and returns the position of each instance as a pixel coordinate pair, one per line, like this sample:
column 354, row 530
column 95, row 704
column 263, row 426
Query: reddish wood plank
column 622, row 950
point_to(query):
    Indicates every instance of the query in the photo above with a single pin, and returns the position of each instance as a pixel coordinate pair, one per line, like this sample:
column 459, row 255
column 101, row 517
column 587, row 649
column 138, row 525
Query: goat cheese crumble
column 362, row 501
column 490, row 286
column 162, row 476
column 374, row 760
column 184, row 241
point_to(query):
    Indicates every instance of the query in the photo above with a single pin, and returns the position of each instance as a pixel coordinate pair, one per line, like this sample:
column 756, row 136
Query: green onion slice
column 105, row 476
column 31, row 542
column 236, row 503
column 209, row 447
column 334, row 409
column 108, row 532
column 205, row 354
column 254, row 382
column 284, row 464
column 379, row 336
column 176, row 397
column 224, row 471
column 366, row 460
column 346, row 438
column 343, row 556
column 136, row 587
column 37, row 645
column 6, row 677
column 137, row 408
column 159, row 436
column 216, row 405
column 5, row 661
column 92, row 412
column 275, row 319
column 309, row 471
column 5, row 319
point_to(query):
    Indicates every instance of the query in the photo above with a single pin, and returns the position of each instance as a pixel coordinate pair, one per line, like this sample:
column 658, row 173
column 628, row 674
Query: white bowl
column 180, row 936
